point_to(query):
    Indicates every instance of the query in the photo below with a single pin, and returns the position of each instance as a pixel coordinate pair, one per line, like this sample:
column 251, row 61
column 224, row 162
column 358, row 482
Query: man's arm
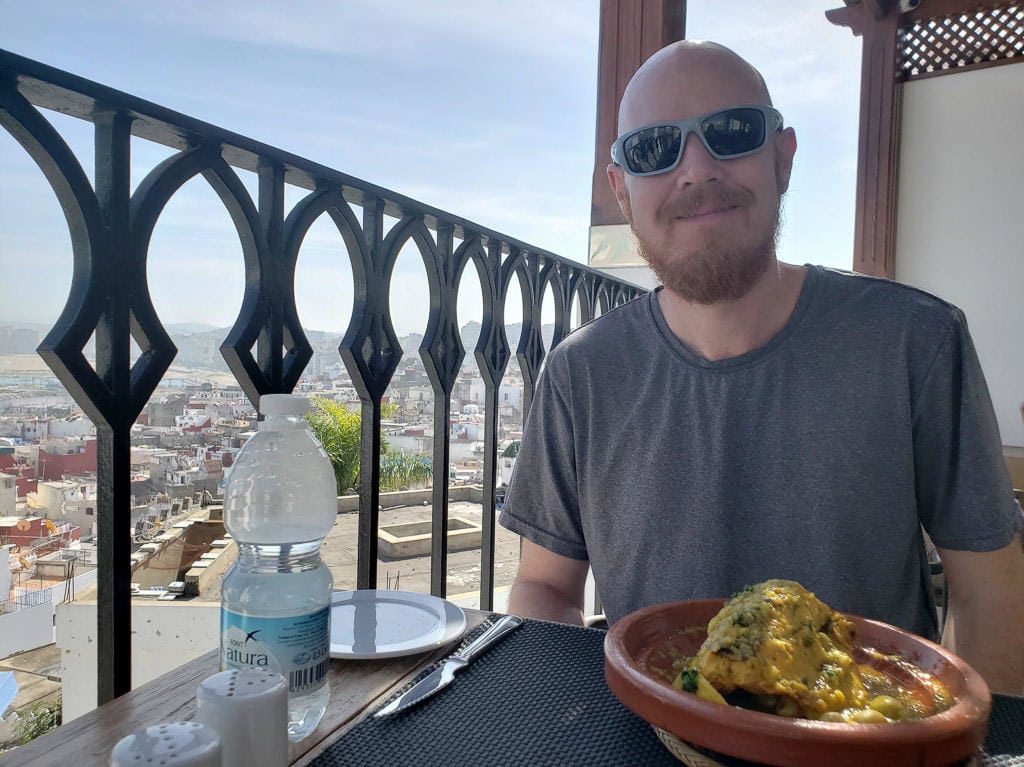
column 986, row 604
column 548, row 586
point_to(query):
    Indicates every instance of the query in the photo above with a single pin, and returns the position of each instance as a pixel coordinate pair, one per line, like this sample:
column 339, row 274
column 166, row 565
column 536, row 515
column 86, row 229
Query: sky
column 483, row 108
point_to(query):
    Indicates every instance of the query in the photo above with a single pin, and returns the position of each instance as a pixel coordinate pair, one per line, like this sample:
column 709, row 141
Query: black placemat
column 539, row 698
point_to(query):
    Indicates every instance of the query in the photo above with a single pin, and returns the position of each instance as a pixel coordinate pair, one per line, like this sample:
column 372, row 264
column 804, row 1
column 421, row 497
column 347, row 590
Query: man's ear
column 785, row 148
column 617, row 180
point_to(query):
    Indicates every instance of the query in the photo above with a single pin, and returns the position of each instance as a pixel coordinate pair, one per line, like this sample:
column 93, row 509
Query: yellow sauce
column 776, row 648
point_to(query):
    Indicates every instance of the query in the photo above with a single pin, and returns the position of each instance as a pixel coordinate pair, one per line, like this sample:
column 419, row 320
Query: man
column 753, row 419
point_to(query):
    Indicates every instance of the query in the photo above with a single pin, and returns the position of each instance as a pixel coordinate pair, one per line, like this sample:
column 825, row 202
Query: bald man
column 752, row 419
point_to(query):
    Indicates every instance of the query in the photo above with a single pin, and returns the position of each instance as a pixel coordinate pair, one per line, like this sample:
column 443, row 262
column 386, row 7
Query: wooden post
column 874, row 242
column 631, row 31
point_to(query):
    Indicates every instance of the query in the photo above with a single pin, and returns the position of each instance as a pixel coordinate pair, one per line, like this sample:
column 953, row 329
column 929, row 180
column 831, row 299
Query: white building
column 66, row 500
column 510, row 393
column 8, row 495
column 56, row 444
column 162, row 462
column 79, row 427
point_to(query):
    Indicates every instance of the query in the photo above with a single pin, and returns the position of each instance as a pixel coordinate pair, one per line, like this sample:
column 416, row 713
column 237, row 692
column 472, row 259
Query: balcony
column 274, row 199
column 267, row 349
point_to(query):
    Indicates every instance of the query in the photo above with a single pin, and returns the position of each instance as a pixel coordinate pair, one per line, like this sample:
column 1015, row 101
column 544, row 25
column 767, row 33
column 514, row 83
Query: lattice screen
column 962, row 40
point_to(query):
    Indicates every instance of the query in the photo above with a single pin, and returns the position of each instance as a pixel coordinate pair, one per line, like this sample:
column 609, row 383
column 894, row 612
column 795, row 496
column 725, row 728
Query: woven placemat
column 539, row 698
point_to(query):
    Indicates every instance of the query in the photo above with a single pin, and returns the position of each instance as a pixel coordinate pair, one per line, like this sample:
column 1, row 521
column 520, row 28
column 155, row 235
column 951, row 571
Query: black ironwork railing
column 110, row 229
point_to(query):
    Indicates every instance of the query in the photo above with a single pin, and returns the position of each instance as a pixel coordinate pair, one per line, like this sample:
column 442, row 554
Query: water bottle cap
column 284, row 404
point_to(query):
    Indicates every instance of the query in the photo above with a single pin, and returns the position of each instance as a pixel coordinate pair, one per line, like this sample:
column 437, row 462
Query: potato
column 867, row 716
column 888, row 706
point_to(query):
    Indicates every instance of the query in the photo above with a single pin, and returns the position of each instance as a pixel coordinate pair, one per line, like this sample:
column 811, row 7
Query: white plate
column 385, row 624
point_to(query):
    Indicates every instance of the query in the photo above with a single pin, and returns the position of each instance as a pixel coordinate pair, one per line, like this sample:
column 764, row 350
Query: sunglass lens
column 652, row 149
column 734, row 131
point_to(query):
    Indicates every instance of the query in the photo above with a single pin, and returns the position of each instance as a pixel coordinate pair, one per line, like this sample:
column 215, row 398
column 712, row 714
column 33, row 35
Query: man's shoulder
column 631, row 320
column 885, row 300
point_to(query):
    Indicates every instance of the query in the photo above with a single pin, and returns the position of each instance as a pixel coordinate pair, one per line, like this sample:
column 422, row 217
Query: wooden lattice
column 962, row 40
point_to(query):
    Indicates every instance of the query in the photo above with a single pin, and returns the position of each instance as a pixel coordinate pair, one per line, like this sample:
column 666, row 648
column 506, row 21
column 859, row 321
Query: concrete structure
column 8, row 495
column 939, row 224
column 68, row 501
column 22, row 531
column 165, row 636
column 5, row 570
column 171, row 553
column 412, row 539
column 61, row 456
column 510, row 393
column 79, row 427
column 163, row 412
column 26, row 629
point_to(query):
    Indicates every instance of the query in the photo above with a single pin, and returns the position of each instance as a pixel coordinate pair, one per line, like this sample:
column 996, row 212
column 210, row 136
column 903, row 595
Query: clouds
column 376, row 30
column 484, row 108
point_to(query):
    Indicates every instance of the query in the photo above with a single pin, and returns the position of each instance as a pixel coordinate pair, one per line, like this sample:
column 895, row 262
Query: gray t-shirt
column 816, row 458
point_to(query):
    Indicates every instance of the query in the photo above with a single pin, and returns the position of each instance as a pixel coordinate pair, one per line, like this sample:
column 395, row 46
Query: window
column 88, row 511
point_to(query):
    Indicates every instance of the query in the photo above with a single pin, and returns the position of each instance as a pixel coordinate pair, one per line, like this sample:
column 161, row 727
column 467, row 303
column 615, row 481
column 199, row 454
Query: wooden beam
column 879, row 8
column 850, row 16
column 631, row 32
column 874, row 241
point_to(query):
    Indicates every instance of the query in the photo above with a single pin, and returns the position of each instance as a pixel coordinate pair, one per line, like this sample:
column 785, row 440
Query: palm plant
column 339, row 431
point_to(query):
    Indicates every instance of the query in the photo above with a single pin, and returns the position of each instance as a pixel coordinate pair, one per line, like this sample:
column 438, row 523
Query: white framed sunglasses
column 726, row 134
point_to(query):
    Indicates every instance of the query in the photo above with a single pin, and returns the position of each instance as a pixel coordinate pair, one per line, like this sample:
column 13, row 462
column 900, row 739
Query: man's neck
column 729, row 329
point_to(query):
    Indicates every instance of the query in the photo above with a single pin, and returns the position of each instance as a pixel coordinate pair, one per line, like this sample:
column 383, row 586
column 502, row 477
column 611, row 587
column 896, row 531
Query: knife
column 440, row 677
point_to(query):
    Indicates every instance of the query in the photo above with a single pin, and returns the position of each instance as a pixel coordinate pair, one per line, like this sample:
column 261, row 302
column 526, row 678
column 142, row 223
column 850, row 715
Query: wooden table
column 357, row 687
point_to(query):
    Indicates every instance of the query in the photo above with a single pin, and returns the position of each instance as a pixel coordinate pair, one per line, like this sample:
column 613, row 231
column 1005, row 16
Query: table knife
column 442, row 676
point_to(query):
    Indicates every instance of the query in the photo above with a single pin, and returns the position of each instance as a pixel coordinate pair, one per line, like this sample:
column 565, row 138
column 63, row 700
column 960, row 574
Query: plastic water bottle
column 279, row 505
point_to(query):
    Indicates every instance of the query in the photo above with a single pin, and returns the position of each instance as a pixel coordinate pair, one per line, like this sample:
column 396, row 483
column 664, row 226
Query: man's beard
column 713, row 270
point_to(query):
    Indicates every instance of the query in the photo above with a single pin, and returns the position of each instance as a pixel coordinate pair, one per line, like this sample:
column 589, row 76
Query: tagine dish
column 775, row 675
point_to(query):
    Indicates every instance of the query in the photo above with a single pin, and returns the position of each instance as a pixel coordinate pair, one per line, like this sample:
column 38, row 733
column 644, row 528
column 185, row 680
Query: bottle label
column 298, row 647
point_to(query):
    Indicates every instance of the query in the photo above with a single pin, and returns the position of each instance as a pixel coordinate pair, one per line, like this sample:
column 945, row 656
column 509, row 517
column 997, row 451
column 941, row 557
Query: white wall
column 8, row 495
column 76, row 427
column 5, row 570
column 26, row 629
column 961, row 215
column 638, row 275
column 165, row 635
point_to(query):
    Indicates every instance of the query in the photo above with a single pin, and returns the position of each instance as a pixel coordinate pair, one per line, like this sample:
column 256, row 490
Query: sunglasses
column 726, row 134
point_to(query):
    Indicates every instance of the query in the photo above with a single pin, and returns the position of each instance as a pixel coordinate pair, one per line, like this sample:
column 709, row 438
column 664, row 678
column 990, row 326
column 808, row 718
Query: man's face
column 707, row 227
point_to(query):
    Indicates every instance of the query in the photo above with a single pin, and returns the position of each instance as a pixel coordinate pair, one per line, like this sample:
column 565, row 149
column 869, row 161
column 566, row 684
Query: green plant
column 339, row 431
column 38, row 720
column 401, row 470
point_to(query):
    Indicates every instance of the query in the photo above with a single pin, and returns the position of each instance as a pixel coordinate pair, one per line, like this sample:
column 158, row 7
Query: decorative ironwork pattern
column 966, row 40
column 111, row 227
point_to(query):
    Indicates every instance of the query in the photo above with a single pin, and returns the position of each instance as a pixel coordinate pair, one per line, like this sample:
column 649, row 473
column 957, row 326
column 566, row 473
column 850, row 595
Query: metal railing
column 110, row 228
column 27, row 598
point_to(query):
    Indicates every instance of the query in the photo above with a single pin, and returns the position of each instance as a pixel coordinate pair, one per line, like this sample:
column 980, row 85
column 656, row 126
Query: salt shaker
column 248, row 708
column 176, row 744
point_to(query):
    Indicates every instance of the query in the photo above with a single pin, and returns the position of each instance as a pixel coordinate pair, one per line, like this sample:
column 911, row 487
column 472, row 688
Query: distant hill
column 199, row 344
column 189, row 328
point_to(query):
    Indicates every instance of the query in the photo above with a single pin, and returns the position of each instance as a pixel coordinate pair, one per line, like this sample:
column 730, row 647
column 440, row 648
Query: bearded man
column 753, row 419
